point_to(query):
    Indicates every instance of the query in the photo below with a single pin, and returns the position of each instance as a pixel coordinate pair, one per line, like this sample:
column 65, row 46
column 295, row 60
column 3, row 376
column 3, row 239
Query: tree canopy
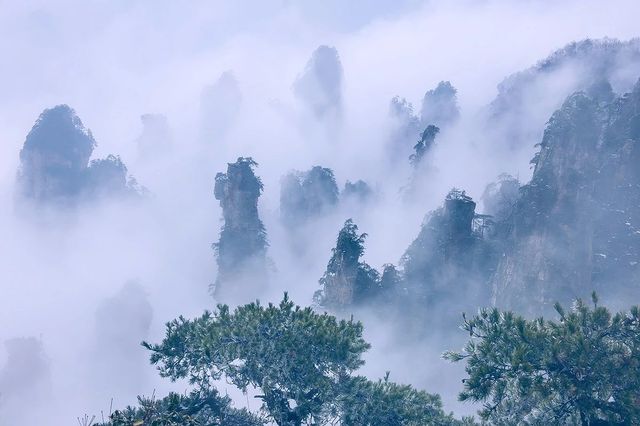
column 300, row 362
column 384, row 403
column 294, row 356
column 582, row 369
column 198, row 408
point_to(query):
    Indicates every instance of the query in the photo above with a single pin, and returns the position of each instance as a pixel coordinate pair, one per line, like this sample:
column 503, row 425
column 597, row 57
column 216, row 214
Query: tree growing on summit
column 421, row 164
column 448, row 258
column 320, row 186
column 440, row 105
column 358, row 191
column 347, row 280
column 54, row 162
column 109, row 176
column 241, row 250
column 424, row 145
column 392, row 281
column 308, row 194
column 445, row 238
column 583, row 369
column 55, row 156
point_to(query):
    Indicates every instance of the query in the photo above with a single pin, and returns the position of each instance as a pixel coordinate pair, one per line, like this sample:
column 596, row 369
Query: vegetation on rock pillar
column 424, row 145
column 304, row 195
column 54, row 163
column 347, row 280
column 440, row 106
column 241, row 250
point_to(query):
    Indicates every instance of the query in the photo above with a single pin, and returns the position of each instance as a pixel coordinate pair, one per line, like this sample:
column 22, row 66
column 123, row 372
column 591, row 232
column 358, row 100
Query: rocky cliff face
column 55, row 156
column 526, row 99
column 616, row 231
column 241, row 250
column 348, row 281
column 54, row 163
column 573, row 229
column 500, row 197
column 450, row 256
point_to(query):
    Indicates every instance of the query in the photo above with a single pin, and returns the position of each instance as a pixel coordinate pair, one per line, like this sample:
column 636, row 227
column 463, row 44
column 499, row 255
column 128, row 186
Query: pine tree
column 583, row 369
column 202, row 407
column 300, row 361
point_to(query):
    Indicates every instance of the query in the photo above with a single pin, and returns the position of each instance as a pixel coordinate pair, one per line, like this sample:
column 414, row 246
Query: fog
column 240, row 63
